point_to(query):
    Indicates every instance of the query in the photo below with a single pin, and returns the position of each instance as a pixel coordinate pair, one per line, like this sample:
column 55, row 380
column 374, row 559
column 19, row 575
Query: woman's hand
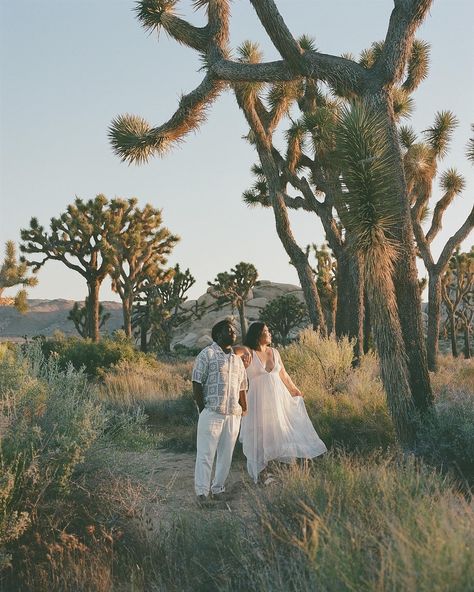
column 297, row 393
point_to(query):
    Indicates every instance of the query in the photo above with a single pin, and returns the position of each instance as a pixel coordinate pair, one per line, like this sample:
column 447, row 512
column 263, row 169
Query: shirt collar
column 219, row 349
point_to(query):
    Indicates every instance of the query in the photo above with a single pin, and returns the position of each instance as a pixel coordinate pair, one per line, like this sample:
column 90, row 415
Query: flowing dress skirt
column 277, row 425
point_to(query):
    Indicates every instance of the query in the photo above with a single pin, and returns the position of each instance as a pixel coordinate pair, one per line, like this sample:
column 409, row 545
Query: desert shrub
column 365, row 524
column 315, row 360
column 50, row 421
column 94, row 357
column 144, row 381
column 447, row 440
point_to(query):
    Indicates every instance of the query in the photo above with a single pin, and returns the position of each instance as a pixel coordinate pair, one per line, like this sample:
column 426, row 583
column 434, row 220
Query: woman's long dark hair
column 252, row 339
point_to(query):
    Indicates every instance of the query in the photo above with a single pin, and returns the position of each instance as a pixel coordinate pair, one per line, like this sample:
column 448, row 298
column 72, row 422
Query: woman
column 277, row 426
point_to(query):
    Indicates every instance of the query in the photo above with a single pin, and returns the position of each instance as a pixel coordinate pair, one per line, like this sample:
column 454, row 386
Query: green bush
column 94, row 357
column 447, row 440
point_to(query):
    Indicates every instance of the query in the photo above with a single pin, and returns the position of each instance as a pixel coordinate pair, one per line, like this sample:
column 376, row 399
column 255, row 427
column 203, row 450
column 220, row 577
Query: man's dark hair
column 252, row 339
column 216, row 330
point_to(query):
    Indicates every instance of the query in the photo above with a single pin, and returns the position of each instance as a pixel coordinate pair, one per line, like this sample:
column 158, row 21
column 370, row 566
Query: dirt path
column 169, row 478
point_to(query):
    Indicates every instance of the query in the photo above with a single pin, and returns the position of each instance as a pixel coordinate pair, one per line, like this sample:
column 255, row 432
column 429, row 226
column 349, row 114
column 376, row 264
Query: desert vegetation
column 80, row 511
column 88, row 423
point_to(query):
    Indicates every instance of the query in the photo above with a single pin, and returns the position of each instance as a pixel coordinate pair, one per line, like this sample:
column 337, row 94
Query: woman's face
column 266, row 336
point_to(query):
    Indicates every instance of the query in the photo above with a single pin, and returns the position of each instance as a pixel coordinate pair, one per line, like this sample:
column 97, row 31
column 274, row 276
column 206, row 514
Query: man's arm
column 198, row 395
column 199, row 377
column 243, row 401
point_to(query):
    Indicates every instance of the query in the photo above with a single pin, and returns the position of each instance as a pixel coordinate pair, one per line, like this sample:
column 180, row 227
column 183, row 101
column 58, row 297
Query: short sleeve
column 201, row 368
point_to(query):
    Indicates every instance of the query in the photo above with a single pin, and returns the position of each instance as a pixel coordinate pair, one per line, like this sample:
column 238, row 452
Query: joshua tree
column 140, row 248
column 367, row 167
column 159, row 309
column 14, row 273
column 78, row 238
column 282, row 315
column 78, row 315
column 235, row 287
column 377, row 83
column 457, row 289
column 421, row 163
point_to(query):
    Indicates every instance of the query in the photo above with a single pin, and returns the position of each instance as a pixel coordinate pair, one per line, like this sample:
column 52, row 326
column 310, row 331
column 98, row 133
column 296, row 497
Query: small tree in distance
column 140, row 248
column 159, row 309
column 234, row 288
column 15, row 273
column 282, row 315
column 78, row 315
column 78, row 238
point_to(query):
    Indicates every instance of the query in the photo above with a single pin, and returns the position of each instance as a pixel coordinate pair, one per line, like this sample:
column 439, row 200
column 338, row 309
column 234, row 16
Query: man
column 219, row 389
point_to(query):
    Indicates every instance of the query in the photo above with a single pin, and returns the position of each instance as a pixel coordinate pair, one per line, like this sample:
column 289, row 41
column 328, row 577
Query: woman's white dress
column 277, row 425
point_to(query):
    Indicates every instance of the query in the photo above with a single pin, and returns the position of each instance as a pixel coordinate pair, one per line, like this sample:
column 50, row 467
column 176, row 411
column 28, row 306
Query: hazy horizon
column 68, row 69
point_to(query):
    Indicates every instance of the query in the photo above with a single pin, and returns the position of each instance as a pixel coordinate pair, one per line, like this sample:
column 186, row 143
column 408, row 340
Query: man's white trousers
column 216, row 433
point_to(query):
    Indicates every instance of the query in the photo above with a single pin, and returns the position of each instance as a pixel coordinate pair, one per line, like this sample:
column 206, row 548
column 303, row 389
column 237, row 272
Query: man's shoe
column 223, row 496
column 202, row 500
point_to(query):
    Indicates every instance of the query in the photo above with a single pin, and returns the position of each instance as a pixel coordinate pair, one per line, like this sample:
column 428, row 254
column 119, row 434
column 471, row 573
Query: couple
column 275, row 424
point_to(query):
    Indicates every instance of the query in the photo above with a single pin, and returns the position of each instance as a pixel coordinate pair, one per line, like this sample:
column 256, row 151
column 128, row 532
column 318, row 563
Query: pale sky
column 69, row 66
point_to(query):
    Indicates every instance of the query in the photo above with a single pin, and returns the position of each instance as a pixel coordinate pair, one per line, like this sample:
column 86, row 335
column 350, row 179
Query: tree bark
column 350, row 300
column 434, row 316
column 93, row 313
column 297, row 256
column 127, row 314
column 406, row 273
column 453, row 332
column 243, row 322
column 143, row 337
column 391, row 350
column 367, row 325
column 467, row 341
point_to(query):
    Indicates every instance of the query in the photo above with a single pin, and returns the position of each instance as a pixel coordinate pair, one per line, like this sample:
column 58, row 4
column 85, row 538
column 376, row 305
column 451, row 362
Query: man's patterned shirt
column 222, row 377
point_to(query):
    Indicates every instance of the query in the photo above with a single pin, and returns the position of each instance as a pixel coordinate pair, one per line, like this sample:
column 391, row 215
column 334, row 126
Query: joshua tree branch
column 134, row 141
column 406, row 17
column 455, row 240
column 439, row 210
column 422, row 244
column 279, row 33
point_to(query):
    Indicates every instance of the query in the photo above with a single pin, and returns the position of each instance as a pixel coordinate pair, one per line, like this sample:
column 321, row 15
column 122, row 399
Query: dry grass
column 131, row 383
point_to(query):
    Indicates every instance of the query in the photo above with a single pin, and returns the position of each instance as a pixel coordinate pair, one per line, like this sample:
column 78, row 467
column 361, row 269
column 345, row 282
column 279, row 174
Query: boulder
column 203, row 341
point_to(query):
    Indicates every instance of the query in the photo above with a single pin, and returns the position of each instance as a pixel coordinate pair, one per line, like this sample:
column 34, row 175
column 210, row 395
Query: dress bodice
column 256, row 369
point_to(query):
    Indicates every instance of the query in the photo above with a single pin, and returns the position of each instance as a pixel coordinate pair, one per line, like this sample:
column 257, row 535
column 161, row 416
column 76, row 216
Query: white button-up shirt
column 222, row 377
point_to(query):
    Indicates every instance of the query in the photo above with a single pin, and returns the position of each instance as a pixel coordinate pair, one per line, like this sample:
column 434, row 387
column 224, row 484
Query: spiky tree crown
column 367, row 170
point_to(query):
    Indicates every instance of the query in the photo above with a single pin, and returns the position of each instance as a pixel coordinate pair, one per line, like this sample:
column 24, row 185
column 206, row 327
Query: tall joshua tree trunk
column 390, row 346
column 405, row 273
column 350, row 299
column 127, row 304
column 93, row 312
column 243, row 322
column 296, row 254
column 434, row 316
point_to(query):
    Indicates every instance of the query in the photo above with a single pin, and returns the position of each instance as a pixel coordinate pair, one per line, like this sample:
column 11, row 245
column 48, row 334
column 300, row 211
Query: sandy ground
column 168, row 481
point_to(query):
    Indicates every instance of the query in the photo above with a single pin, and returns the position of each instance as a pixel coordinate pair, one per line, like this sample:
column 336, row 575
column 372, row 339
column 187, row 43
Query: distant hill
column 46, row 316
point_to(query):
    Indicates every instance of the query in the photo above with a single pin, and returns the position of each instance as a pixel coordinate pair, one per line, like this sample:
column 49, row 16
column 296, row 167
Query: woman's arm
column 243, row 352
column 285, row 377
